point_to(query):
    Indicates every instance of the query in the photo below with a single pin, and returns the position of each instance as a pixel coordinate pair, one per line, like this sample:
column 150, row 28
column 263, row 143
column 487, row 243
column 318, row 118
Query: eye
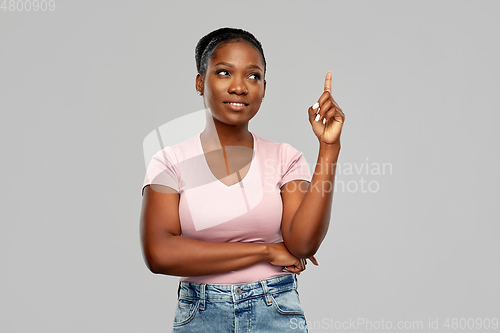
column 255, row 75
column 222, row 71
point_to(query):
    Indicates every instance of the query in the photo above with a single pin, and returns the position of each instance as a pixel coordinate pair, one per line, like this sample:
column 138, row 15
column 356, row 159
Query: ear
column 264, row 88
column 199, row 83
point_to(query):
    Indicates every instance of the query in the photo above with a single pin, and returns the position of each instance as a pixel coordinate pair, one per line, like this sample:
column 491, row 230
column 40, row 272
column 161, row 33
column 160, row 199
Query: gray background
column 82, row 86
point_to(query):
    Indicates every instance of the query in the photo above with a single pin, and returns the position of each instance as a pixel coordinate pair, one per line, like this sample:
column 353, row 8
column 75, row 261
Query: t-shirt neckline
column 250, row 170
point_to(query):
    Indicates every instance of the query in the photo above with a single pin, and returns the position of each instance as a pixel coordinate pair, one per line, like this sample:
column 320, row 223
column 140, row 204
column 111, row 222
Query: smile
column 234, row 106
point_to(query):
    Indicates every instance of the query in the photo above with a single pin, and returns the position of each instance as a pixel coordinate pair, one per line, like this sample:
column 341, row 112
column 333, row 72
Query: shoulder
column 180, row 151
column 280, row 148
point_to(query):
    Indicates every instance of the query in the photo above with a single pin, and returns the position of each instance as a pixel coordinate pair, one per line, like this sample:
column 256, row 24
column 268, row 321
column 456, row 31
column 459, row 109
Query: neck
column 218, row 134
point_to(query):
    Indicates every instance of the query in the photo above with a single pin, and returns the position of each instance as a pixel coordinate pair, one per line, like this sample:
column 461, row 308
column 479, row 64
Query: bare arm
column 306, row 215
column 167, row 252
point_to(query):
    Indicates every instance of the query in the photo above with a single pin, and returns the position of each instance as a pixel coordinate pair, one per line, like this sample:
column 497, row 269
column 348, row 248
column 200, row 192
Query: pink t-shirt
column 248, row 211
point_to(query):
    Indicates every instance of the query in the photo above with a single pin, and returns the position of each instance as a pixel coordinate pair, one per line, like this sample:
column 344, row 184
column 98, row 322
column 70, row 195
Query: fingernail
column 324, row 120
column 317, row 117
column 315, row 106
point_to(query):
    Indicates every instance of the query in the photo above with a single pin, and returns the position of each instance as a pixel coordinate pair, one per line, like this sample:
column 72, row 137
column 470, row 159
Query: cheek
column 214, row 89
column 259, row 92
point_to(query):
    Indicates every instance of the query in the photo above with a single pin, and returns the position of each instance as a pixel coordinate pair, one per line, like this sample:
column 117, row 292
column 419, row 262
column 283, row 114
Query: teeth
column 239, row 104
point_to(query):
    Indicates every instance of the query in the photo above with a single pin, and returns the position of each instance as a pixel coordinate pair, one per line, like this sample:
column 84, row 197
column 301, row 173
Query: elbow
column 152, row 263
column 154, row 267
column 161, row 268
column 160, row 257
column 303, row 245
column 157, row 266
column 303, row 251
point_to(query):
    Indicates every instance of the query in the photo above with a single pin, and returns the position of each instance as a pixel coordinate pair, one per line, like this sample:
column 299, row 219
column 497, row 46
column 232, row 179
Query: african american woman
column 235, row 215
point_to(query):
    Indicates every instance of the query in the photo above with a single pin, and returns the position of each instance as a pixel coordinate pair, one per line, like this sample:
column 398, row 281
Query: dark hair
column 207, row 44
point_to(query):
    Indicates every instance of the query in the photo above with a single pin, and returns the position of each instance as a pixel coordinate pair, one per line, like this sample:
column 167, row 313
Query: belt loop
column 295, row 282
column 202, row 297
column 266, row 292
column 179, row 290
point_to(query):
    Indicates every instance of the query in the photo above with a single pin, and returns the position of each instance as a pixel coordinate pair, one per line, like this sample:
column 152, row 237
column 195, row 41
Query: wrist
column 335, row 144
column 329, row 147
column 267, row 254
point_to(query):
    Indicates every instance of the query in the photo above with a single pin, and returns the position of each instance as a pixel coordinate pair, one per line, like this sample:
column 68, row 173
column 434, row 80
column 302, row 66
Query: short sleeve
column 293, row 165
column 163, row 170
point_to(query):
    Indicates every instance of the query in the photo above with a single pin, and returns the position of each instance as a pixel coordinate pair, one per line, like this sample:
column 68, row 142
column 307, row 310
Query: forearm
column 183, row 256
column 311, row 220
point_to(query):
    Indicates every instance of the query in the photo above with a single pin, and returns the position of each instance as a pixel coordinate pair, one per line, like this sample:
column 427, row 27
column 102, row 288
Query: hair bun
column 208, row 43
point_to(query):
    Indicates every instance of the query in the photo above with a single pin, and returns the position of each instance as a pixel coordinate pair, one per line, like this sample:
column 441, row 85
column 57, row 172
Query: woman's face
column 234, row 83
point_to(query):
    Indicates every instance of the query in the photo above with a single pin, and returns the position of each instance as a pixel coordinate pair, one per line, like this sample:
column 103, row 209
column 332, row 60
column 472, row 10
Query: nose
column 238, row 86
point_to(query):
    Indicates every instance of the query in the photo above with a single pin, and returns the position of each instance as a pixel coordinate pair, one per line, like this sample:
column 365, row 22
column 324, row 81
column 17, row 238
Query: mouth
column 236, row 106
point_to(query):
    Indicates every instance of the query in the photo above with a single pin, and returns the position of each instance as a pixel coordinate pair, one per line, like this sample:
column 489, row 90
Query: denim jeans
column 270, row 305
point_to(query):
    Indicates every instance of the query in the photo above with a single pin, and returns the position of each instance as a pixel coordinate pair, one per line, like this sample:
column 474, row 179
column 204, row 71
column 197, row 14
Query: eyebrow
column 230, row 65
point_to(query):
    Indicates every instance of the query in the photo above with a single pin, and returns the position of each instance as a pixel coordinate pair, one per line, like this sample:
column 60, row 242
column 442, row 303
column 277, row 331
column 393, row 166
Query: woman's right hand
column 280, row 256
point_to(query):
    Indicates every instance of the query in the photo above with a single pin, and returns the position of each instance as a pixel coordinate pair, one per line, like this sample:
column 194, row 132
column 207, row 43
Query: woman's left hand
column 326, row 117
column 304, row 263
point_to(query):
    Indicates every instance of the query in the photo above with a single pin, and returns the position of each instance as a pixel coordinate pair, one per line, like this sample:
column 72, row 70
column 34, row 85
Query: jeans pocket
column 186, row 310
column 287, row 302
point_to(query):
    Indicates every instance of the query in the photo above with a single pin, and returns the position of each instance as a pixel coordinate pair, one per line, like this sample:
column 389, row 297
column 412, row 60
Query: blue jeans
column 270, row 305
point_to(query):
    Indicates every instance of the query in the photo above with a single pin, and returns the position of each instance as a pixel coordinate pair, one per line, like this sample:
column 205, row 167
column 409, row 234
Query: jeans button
column 238, row 291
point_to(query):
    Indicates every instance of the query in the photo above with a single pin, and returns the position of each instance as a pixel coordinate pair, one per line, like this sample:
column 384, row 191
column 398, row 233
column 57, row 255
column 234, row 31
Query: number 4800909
column 28, row 5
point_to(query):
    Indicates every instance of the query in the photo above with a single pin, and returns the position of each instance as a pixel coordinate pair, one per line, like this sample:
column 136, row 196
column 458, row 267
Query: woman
column 231, row 213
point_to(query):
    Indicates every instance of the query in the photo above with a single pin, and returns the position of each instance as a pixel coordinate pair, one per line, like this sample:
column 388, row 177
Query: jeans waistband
column 236, row 292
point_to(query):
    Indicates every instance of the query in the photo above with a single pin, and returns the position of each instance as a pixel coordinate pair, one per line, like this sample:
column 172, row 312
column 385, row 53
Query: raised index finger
column 328, row 82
